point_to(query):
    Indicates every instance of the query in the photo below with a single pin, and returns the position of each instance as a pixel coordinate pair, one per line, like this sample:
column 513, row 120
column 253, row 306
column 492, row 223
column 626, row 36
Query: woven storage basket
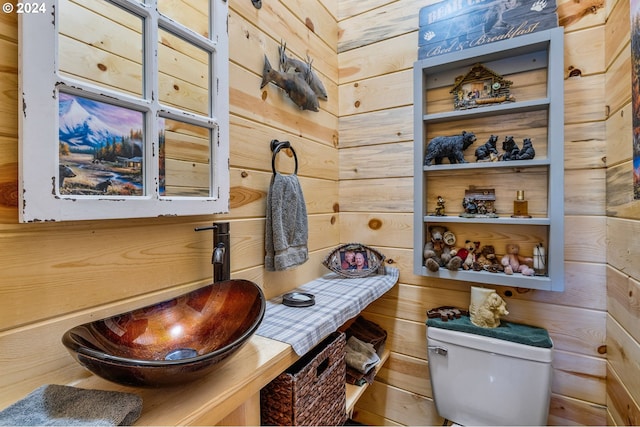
column 311, row 391
column 367, row 331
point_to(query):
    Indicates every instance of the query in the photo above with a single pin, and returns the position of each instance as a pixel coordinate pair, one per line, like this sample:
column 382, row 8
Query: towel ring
column 276, row 146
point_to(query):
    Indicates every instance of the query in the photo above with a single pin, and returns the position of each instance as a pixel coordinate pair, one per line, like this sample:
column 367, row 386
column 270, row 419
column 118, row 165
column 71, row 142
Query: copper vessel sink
column 171, row 342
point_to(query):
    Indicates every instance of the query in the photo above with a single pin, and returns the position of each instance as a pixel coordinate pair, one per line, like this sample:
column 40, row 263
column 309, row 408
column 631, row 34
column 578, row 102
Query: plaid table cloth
column 338, row 299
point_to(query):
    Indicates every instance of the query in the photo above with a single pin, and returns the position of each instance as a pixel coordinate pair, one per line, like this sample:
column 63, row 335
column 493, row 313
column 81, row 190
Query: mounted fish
column 293, row 84
column 315, row 82
column 293, row 65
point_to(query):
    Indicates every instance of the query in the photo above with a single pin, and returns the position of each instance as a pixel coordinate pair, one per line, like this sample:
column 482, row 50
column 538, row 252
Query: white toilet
column 478, row 380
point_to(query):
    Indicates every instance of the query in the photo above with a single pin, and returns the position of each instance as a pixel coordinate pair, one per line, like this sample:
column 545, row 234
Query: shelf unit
column 354, row 392
column 534, row 62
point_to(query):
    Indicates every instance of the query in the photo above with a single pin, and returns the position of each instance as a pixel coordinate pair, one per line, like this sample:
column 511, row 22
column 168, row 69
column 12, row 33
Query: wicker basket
column 312, row 391
column 367, row 331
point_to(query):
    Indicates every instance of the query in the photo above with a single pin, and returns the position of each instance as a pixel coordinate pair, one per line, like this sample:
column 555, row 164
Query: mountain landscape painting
column 101, row 148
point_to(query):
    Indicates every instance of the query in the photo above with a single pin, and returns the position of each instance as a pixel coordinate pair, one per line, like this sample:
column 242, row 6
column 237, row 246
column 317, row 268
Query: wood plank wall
column 53, row 276
column 623, row 225
column 56, row 275
column 376, row 51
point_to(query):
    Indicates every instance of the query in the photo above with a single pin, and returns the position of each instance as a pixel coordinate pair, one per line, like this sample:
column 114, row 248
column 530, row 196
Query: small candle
column 539, row 260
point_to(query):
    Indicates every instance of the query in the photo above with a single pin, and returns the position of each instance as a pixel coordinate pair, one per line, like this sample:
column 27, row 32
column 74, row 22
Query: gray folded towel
column 361, row 355
column 286, row 230
column 58, row 405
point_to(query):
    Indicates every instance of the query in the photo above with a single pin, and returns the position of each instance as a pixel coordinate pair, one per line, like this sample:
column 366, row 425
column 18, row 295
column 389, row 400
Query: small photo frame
column 355, row 260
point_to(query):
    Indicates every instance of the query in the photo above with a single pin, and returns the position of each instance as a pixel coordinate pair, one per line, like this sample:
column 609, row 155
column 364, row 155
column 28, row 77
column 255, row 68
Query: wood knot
column 176, row 87
column 102, row 67
column 309, row 24
column 375, row 224
column 9, row 194
column 602, row 349
column 357, row 104
column 244, row 174
column 336, row 207
column 576, row 72
column 264, row 95
column 333, row 219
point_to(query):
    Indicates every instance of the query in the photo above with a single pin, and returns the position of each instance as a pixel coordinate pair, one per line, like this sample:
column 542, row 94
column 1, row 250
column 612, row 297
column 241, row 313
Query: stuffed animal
column 438, row 250
column 513, row 262
column 468, row 254
column 451, row 147
column 487, row 260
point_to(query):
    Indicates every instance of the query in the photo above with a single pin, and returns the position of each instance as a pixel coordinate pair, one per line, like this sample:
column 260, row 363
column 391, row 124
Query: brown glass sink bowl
column 172, row 342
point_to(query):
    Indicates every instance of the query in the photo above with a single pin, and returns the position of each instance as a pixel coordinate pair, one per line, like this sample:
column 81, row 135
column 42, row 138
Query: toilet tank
column 479, row 380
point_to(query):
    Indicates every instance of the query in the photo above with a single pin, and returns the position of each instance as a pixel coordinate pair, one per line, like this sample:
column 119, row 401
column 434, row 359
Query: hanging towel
column 286, row 231
column 58, row 405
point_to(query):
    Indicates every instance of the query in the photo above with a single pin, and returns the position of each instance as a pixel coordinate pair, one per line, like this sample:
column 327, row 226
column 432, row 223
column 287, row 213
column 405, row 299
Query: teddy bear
column 513, row 262
column 438, row 252
column 468, row 254
column 487, row 260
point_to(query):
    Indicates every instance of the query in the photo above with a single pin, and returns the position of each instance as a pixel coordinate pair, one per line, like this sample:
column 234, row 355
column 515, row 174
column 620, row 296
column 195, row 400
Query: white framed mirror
column 124, row 109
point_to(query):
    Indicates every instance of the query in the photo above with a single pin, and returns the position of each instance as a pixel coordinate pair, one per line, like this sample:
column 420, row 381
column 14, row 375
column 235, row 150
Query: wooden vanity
column 228, row 396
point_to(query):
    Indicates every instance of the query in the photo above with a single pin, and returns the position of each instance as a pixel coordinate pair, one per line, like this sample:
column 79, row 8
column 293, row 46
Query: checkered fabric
column 338, row 299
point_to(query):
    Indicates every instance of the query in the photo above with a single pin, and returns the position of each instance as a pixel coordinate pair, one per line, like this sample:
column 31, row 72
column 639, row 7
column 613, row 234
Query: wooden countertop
column 208, row 400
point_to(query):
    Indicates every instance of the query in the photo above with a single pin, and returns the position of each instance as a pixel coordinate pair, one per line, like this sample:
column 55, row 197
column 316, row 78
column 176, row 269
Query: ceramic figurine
column 511, row 149
column 488, row 152
column 470, row 206
column 527, row 152
column 440, row 207
column 486, row 307
column 451, row 147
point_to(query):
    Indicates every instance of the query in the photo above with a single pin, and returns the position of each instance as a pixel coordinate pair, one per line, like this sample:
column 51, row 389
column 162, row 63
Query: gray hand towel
column 286, row 230
column 58, row 405
column 360, row 355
